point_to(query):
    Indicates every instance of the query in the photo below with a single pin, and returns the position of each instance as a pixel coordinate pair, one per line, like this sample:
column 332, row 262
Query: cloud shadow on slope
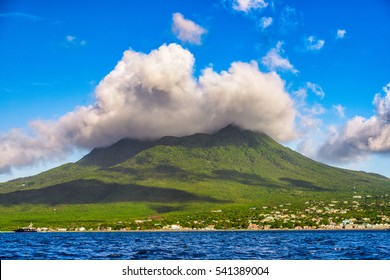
column 94, row 191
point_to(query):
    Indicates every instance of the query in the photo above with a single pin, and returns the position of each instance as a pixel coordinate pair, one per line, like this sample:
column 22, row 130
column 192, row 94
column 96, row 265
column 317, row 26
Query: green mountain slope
column 229, row 170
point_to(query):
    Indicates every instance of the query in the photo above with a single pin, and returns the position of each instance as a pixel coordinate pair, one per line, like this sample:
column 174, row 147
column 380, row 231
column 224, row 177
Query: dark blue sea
column 218, row 245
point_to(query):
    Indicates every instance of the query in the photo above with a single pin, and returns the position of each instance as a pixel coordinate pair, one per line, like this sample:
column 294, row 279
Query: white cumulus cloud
column 273, row 60
column 186, row 30
column 152, row 95
column 247, row 5
column 341, row 33
column 360, row 137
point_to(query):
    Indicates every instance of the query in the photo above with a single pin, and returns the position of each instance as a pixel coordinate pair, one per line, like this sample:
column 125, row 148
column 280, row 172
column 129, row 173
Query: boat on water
column 30, row 228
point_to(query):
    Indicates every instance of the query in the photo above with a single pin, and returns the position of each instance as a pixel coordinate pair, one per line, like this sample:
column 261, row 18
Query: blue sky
column 329, row 61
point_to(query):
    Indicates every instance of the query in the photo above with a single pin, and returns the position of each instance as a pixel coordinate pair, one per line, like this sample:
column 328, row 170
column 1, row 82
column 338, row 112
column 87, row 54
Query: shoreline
column 200, row 230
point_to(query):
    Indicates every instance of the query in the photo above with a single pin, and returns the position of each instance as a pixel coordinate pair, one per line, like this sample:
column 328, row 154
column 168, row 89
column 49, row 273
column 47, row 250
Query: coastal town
column 359, row 213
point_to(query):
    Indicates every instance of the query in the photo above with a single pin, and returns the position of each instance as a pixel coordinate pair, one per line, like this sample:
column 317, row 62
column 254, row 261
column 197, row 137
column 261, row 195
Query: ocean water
column 218, row 245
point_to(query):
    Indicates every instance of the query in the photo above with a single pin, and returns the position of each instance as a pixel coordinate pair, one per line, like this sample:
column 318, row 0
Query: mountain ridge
column 268, row 153
column 230, row 169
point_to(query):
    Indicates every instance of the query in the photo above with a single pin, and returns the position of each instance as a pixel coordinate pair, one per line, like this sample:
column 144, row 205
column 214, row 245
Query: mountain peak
column 234, row 134
column 230, row 129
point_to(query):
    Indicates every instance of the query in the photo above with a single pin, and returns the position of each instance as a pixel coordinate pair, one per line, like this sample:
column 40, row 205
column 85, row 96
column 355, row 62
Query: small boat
column 30, row 228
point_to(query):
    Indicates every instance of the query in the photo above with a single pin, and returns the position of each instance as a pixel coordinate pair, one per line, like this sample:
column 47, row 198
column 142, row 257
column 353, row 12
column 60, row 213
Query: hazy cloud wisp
column 316, row 89
column 21, row 16
column 265, row 22
column 340, row 110
column 313, row 44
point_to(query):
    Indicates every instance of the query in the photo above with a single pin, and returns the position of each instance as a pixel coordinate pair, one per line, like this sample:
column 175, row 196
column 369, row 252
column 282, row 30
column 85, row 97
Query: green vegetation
column 227, row 180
